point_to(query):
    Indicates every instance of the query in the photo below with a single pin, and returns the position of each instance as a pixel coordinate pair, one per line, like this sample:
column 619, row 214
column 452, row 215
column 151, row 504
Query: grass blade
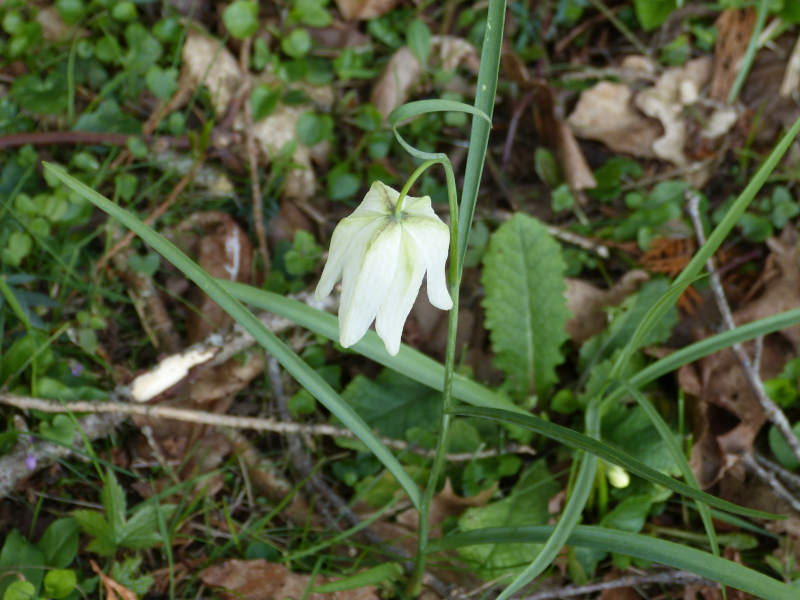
column 610, row 454
column 306, row 376
column 571, row 515
column 677, row 454
column 636, row 545
column 409, row 362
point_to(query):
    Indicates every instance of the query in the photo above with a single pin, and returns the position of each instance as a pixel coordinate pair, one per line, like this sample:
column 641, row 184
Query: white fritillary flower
column 381, row 259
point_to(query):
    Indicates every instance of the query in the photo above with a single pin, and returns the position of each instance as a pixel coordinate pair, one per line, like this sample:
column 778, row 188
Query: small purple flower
column 76, row 369
column 30, row 462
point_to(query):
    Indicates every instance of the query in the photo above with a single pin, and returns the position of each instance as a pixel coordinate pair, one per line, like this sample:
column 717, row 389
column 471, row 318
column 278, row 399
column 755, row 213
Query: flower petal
column 401, row 295
column 432, row 238
column 368, row 274
column 379, row 199
column 341, row 244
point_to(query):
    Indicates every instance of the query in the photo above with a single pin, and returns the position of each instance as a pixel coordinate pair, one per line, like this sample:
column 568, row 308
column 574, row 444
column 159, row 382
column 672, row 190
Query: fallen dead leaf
column 605, row 113
column 735, row 29
column 360, row 10
column 587, row 303
column 112, row 587
column 446, row 504
column 206, row 61
column 677, row 88
column 729, row 417
column 260, row 580
column 403, row 71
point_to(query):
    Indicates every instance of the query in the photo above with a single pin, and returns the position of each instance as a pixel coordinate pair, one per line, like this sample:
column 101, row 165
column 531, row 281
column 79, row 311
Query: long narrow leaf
column 571, row 515
column 610, row 454
column 409, row 362
column 636, row 545
column 678, row 455
column 705, row 347
column 306, row 376
column 479, row 137
column 708, row 249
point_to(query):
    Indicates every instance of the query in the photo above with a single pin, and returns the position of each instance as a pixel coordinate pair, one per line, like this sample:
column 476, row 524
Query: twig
column 14, row 466
column 252, row 155
column 668, row 578
column 155, row 215
column 771, row 479
column 789, row 479
column 284, row 427
column 772, row 410
column 570, row 238
column 48, row 138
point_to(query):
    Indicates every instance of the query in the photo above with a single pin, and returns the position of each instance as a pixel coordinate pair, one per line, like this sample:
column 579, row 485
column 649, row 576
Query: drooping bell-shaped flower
column 381, row 258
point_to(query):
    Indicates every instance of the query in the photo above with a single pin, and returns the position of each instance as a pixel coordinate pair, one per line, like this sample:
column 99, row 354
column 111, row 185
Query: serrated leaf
column 392, row 404
column 523, row 279
column 93, row 523
column 141, row 531
column 526, row 506
column 113, row 498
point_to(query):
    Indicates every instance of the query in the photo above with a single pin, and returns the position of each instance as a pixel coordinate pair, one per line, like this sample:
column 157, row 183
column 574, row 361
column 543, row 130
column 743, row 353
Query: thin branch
column 155, row 411
column 772, row 410
column 668, row 578
column 789, row 479
column 770, row 479
column 252, row 154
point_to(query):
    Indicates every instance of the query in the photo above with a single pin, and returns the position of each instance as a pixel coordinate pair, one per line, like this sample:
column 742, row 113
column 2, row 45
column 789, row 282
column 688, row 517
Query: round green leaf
column 296, row 44
column 59, row 583
column 241, row 19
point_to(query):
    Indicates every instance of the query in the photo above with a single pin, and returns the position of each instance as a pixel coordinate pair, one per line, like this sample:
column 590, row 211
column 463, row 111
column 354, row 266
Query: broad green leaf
column 523, row 279
column 61, row 430
column 608, row 453
column 418, row 39
column 678, row 556
column 625, row 319
column 652, row 13
column 241, row 18
column 60, row 542
column 392, row 404
column 629, row 515
column 93, row 523
column 306, row 376
column 18, row 555
column 527, row 505
column 630, row 430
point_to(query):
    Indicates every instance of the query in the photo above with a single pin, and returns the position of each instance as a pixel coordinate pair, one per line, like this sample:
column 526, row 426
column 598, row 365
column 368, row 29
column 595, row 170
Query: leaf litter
column 670, row 117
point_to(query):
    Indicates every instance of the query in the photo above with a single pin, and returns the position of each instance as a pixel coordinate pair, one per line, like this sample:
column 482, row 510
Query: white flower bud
column 381, row 260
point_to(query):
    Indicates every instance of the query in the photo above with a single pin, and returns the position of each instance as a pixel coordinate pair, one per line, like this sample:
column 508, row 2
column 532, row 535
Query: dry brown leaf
column 403, row 71
column 677, row 88
column 735, row 28
column 260, row 580
column 112, row 587
column 446, row 504
column 605, row 113
column 576, row 170
column 360, row 10
column 222, row 248
column 587, row 303
column 729, row 417
column 206, row 61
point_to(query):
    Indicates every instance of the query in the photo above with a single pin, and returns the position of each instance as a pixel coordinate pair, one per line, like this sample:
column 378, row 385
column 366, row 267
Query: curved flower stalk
column 382, row 252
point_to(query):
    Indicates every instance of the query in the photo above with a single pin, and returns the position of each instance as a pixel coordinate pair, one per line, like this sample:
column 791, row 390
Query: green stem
column 398, row 209
column 443, row 439
column 750, row 53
